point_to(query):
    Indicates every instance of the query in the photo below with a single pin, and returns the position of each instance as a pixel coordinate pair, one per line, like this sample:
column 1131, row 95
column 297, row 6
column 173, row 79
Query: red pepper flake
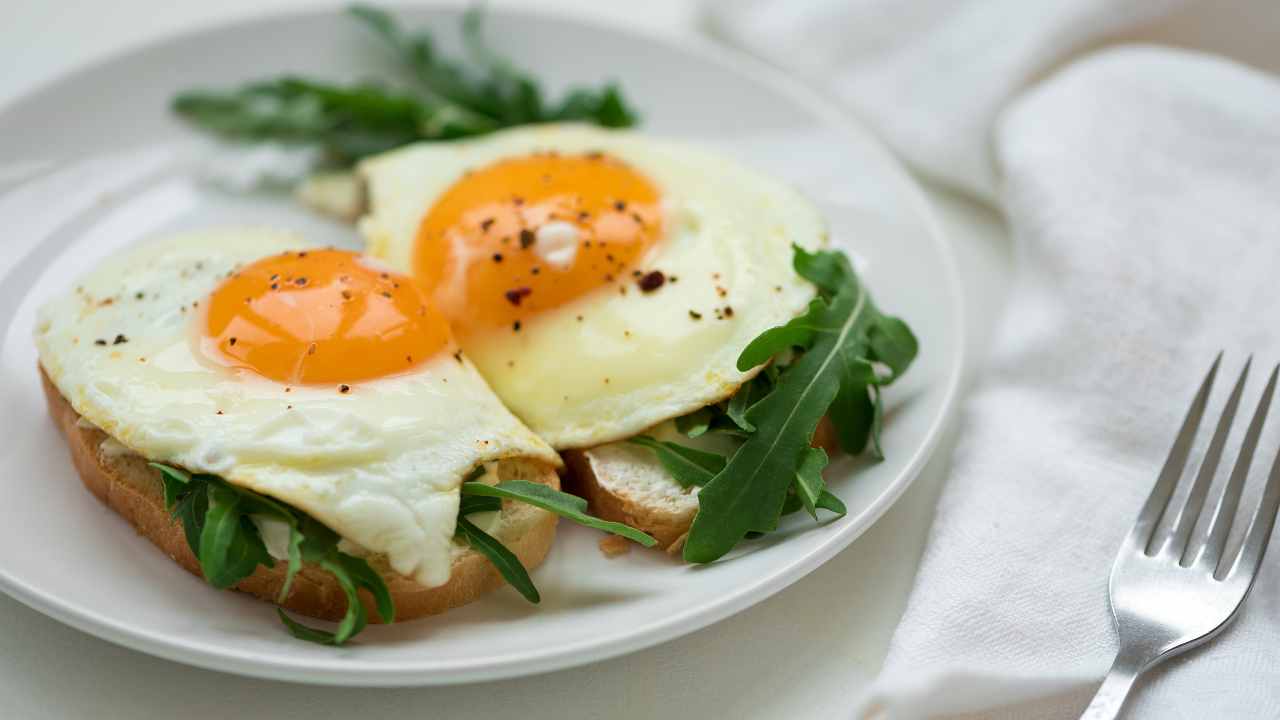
column 231, row 342
column 515, row 296
column 301, row 254
column 535, row 270
column 594, row 155
column 384, row 276
column 517, row 200
column 728, row 311
column 497, row 257
column 695, row 314
column 485, row 224
column 346, row 294
column 527, row 238
column 344, row 389
column 608, row 277
column 408, row 359
column 311, row 349
column 584, row 215
column 106, row 302
column 652, row 281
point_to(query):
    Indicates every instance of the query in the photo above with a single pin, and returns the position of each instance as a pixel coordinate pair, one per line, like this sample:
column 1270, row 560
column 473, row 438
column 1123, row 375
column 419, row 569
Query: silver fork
column 1173, row 591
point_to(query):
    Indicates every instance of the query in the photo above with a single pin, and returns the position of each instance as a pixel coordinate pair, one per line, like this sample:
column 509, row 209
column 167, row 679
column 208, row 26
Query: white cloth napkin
column 1142, row 188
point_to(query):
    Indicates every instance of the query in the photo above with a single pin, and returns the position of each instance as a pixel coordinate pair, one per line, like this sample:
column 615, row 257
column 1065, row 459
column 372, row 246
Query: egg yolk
column 530, row 234
column 321, row 316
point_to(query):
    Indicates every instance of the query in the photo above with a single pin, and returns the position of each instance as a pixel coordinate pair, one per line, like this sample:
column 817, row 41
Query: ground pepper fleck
column 652, row 281
column 515, row 296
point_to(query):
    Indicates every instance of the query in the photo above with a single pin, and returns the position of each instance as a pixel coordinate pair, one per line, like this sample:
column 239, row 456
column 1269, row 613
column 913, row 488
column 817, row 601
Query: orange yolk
column 482, row 258
column 319, row 317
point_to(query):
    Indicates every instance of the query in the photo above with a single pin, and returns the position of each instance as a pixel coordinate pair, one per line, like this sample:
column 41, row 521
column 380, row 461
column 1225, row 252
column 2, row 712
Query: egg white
column 380, row 465
column 633, row 359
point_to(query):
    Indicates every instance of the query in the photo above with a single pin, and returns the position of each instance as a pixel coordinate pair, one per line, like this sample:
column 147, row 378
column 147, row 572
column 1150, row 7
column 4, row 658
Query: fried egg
column 601, row 281
column 312, row 375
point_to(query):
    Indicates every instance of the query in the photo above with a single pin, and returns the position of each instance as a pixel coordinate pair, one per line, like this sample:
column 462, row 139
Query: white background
column 805, row 652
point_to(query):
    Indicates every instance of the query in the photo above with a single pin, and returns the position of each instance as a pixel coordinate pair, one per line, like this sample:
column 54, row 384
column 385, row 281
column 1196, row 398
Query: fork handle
column 1109, row 700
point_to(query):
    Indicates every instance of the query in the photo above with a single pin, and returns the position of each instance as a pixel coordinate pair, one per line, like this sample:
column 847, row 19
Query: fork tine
column 1185, row 521
column 1153, row 509
column 1215, row 538
column 1260, row 526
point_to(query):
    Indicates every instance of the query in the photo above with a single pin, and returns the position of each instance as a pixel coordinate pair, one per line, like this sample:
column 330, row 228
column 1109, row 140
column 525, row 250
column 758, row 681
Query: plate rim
column 337, row 672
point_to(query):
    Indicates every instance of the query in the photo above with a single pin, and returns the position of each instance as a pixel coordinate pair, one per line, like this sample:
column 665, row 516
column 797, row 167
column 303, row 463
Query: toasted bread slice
column 127, row 484
column 626, row 483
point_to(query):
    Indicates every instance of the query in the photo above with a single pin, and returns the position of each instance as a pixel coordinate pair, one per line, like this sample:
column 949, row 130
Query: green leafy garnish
column 687, row 466
column 570, row 507
column 503, row 559
column 843, row 343
column 217, row 519
column 443, row 99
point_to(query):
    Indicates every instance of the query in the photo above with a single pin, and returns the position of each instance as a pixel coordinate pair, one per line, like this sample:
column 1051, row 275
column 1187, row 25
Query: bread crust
column 665, row 524
column 126, row 484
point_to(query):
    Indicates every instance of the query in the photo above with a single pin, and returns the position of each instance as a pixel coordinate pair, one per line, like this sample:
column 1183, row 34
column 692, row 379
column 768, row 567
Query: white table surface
column 804, row 653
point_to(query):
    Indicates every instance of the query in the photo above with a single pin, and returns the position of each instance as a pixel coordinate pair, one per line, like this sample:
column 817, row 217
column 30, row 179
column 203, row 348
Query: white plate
column 96, row 163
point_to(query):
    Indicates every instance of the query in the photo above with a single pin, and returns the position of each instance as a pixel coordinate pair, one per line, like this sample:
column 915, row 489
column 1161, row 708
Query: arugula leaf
column 685, row 465
column 570, row 507
column 191, row 510
column 216, row 517
column 696, row 423
column 736, row 410
column 444, row 100
column 809, row 484
column 230, row 547
column 175, row 482
column 302, row 632
column 469, row 504
column 503, row 559
column 842, row 336
column 827, row 501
